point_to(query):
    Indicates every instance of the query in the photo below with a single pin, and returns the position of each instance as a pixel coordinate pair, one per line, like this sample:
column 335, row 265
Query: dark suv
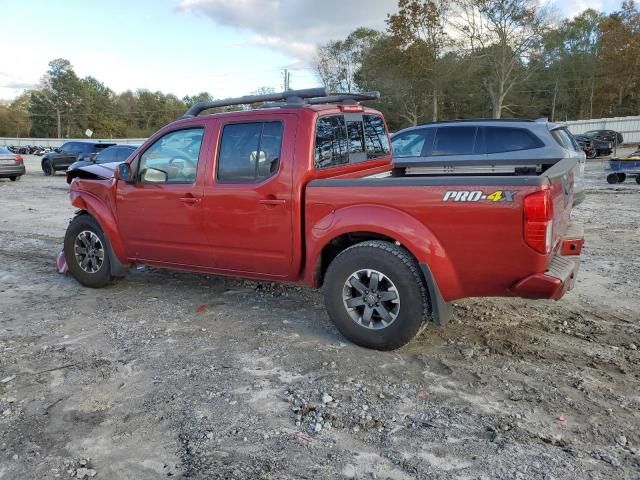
column 115, row 153
column 70, row 152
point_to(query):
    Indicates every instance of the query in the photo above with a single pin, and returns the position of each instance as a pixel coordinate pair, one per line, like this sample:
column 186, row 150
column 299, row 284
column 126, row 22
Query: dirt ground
column 190, row 376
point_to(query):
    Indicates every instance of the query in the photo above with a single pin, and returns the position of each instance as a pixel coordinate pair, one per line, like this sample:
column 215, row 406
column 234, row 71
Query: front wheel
column 14, row 178
column 622, row 177
column 86, row 252
column 612, row 178
column 47, row 168
column 376, row 296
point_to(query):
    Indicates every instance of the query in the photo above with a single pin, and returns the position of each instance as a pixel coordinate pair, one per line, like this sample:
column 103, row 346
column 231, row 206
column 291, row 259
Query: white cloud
column 294, row 27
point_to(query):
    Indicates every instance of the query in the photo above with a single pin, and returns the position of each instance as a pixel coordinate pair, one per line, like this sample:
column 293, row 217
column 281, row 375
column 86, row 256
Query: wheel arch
column 88, row 204
column 118, row 268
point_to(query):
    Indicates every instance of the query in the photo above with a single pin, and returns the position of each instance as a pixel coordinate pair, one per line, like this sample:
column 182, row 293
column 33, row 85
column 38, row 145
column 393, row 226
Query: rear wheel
column 47, row 168
column 612, row 178
column 14, row 178
column 622, row 177
column 638, row 179
column 376, row 296
column 86, row 252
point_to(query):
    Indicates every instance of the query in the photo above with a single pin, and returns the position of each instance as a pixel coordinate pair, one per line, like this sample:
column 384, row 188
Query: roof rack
column 295, row 96
column 310, row 96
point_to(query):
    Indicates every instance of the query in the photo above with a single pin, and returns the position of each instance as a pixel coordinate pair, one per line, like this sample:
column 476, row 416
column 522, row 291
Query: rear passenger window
column 565, row 139
column 375, row 136
column 249, row 152
column 500, row 140
column 454, row 141
column 331, row 142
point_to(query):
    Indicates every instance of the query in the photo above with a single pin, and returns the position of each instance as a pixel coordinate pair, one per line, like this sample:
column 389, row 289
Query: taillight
column 538, row 221
column 19, row 159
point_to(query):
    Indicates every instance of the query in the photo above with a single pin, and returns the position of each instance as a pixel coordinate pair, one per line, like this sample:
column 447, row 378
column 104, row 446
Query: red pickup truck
column 303, row 190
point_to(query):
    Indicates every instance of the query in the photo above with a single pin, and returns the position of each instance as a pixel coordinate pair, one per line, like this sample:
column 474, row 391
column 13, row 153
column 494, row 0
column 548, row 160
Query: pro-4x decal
column 478, row 196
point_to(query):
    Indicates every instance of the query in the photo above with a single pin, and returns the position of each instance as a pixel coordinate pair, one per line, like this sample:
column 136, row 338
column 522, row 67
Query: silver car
column 493, row 147
column 11, row 165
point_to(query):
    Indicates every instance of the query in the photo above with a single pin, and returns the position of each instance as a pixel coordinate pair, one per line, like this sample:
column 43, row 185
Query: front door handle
column 189, row 199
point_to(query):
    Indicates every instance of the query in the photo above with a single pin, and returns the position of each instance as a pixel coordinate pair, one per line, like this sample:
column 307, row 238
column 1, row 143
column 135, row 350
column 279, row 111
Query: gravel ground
column 178, row 375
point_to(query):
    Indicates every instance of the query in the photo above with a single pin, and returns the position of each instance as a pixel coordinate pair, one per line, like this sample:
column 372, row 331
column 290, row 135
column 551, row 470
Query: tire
column 47, row 168
column 14, row 178
column 622, row 177
column 85, row 235
column 612, row 178
column 638, row 179
column 593, row 153
column 397, row 274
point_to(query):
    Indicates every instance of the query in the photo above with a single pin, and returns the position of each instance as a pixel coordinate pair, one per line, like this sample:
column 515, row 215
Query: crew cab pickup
column 303, row 190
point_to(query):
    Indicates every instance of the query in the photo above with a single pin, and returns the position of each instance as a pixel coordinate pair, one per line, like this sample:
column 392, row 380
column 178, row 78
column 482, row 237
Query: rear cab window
column 351, row 138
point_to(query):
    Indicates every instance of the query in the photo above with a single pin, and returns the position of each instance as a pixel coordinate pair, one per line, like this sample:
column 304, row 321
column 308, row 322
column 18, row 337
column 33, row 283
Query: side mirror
column 57, row 150
column 124, row 173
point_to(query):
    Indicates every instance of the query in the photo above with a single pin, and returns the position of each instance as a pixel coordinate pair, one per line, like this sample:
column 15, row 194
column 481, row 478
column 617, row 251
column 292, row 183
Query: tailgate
column 561, row 184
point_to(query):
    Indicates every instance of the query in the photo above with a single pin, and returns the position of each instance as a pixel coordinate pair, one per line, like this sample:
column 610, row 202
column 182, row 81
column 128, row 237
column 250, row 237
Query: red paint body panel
column 277, row 229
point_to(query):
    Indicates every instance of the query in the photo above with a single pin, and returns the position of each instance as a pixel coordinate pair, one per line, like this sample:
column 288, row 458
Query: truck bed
column 473, row 224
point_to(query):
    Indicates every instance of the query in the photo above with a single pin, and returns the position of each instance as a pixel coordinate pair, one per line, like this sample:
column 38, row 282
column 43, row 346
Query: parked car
column 305, row 192
column 114, row 153
column 11, row 165
column 487, row 146
column 611, row 136
column 602, row 148
column 70, row 152
column 587, row 145
column 599, row 148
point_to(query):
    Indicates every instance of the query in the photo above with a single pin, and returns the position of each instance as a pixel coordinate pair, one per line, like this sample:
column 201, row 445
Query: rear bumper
column 12, row 170
column 561, row 274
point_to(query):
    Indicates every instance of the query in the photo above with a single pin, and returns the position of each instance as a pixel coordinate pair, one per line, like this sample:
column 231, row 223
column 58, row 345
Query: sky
column 225, row 47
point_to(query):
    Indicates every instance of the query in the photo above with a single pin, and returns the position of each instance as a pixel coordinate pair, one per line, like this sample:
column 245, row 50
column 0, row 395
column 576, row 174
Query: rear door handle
column 272, row 202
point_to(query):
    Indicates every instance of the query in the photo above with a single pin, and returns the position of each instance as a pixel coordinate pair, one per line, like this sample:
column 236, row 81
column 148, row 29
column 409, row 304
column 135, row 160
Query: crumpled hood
column 99, row 171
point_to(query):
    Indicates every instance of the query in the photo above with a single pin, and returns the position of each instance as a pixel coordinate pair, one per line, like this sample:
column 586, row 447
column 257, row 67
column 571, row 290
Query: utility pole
column 59, row 124
column 287, row 80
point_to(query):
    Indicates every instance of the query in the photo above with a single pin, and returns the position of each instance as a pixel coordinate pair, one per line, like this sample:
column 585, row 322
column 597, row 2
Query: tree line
column 65, row 106
column 436, row 59
column 442, row 59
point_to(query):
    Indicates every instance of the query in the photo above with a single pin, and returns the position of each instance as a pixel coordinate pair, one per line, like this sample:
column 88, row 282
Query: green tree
column 63, row 90
column 338, row 61
column 504, row 35
column 419, row 29
column 620, row 57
